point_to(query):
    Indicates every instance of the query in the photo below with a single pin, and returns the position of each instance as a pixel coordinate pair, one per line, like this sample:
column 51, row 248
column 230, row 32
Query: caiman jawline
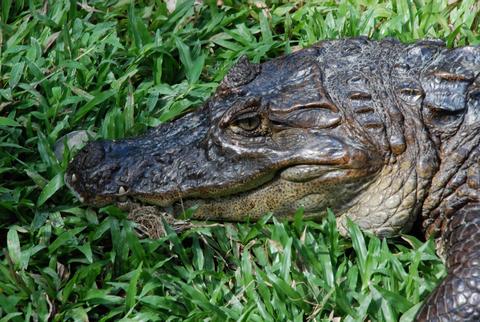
column 288, row 194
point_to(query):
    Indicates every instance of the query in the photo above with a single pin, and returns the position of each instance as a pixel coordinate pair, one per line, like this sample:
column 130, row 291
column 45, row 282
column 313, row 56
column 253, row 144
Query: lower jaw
column 282, row 198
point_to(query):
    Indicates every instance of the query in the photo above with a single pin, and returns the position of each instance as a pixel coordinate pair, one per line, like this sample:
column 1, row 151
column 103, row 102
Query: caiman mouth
column 313, row 187
column 283, row 197
column 332, row 187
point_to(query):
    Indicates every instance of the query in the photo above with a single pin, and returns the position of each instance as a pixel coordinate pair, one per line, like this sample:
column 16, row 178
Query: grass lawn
column 120, row 67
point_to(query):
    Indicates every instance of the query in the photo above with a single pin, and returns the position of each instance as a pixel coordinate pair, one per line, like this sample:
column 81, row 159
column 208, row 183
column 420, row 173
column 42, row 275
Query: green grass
column 119, row 67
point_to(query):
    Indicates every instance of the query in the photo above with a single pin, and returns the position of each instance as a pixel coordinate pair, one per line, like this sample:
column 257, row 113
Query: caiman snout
column 92, row 155
column 90, row 171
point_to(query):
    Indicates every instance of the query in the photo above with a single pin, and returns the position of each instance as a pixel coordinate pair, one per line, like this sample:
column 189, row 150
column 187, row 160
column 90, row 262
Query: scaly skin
column 457, row 298
column 381, row 132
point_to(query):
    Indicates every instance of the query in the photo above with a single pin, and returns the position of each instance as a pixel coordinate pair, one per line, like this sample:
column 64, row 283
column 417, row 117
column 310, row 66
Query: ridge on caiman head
column 381, row 132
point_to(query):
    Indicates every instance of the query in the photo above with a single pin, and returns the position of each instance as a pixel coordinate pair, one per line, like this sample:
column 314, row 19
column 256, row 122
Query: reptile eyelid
column 360, row 96
column 249, row 106
column 252, row 122
column 451, row 76
column 411, row 91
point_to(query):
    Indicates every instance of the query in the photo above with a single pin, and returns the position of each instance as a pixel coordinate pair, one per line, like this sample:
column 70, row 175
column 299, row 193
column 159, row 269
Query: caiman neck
column 455, row 183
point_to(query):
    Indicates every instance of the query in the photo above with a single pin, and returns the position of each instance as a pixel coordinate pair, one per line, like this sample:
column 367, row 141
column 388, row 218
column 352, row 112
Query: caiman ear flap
column 447, row 80
column 243, row 72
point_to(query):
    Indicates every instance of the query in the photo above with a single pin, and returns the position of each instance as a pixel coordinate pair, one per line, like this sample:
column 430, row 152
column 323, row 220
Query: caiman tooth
column 74, row 178
column 122, row 190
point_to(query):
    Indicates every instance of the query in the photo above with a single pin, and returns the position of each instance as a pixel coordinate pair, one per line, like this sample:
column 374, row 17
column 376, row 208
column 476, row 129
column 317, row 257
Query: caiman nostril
column 92, row 155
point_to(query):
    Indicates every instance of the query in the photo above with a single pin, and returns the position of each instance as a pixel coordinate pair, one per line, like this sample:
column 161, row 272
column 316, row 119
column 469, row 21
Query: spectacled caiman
column 384, row 133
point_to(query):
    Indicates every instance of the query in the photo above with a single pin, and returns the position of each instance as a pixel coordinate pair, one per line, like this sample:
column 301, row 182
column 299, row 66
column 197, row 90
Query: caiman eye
column 248, row 123
column 410, row 92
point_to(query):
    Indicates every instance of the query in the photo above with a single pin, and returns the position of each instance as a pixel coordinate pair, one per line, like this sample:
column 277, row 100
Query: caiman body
column 385, row 134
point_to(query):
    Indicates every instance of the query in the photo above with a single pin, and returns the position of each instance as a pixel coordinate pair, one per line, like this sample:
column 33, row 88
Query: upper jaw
column 213, row 202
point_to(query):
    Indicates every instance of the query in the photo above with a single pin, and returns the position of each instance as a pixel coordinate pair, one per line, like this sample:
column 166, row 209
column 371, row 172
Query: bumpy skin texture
column 385, row 134
column 457, row 298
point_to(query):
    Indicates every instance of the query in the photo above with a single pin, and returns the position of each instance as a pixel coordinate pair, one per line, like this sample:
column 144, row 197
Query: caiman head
column 354, row 125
